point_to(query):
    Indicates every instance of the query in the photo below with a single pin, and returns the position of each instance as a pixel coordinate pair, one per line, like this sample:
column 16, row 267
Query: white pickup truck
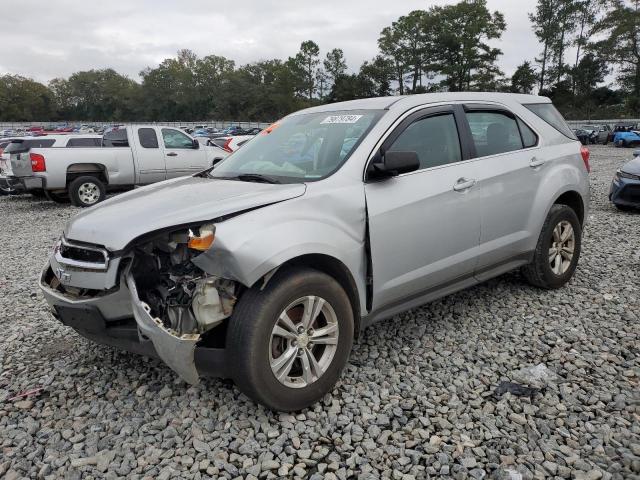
column 130, row 156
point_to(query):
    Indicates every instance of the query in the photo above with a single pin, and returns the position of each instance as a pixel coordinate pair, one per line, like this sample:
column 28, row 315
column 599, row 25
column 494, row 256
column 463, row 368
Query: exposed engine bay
column 174, row 301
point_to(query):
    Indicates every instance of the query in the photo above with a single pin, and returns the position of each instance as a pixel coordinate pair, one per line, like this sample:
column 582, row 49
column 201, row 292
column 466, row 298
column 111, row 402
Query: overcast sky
column 44, row 40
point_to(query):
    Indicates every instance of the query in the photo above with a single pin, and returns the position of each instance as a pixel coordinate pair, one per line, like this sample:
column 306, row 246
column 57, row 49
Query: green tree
column 461, row 50
column 620, row 45
column 524, row 79
column 101, row 95
column 23, row 99
column 304, row 66
column 379, row 74
column 546, row 30
column 334, row 64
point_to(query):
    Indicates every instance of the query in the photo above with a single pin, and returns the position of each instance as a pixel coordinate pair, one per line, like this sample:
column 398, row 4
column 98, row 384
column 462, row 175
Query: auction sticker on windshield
column 342, row 119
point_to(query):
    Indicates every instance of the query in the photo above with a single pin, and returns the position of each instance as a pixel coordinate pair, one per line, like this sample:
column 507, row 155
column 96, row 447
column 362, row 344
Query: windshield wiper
column 252, row 177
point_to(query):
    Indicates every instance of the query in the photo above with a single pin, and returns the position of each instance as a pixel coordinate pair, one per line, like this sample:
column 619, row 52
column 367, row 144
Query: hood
column 119, row 220
column 632, row 167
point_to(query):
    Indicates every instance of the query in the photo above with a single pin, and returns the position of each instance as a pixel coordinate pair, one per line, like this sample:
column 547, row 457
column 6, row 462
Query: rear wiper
column 253, row 177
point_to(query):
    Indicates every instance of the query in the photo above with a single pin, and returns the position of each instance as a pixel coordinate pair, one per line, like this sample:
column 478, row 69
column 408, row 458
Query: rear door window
column 83, row 142
column 548, row 113
column 115, row 138
column 494, row 133
column 148, row 138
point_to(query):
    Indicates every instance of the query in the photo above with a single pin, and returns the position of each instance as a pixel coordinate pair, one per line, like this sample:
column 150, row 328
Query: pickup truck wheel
column 56, row 197
column 558, row 249
column 289, row 342
column 86, row 191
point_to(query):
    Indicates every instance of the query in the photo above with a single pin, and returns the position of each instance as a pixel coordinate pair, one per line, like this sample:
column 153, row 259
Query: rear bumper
column 109, row 320
column 28, row 183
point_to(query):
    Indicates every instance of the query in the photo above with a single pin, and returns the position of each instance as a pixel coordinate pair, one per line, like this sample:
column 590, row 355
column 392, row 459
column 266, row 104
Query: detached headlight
column 203, row 240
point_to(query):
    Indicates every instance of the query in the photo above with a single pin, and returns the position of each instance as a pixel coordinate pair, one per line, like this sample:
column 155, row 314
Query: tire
column 56, row 197
column 540, row 272
column 253, row 348
column 86, row 191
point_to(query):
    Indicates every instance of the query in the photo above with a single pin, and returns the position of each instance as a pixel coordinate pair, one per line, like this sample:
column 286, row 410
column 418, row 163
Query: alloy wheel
column 303, row 341
column 563, row 241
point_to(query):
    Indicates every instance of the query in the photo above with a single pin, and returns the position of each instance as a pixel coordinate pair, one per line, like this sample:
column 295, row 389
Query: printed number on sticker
column 342, row 119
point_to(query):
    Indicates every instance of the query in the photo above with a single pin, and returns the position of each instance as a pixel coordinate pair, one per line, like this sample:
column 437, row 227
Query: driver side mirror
column 196, row 144
column 392, row 164
column 216, row 161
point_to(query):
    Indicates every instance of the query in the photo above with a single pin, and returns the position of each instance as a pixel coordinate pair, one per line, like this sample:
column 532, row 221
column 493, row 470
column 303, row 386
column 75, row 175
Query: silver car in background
column 266, row 267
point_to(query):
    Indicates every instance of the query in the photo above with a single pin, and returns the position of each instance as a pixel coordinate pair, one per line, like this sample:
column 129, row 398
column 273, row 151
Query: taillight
column 226, row 146
column 584, row 151
column 37, row 162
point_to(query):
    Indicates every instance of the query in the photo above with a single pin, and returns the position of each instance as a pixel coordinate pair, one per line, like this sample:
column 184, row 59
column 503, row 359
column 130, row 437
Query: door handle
column 464, row 184
column 172, row 154
column 536, row 162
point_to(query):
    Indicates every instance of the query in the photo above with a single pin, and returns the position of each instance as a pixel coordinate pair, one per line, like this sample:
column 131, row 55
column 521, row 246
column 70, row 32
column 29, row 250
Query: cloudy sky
column 44, row 40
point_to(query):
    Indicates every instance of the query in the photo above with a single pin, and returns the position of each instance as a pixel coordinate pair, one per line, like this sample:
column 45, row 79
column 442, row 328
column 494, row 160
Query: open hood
column 119, row 220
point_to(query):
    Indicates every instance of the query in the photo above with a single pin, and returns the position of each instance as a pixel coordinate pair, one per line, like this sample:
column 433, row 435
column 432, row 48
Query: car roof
column 405, row 102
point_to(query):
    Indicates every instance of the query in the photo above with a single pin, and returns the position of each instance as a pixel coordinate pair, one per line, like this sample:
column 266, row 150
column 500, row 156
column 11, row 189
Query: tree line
column 443, row 48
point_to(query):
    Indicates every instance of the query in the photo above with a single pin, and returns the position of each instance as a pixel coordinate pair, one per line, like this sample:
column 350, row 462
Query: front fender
column 249, row 246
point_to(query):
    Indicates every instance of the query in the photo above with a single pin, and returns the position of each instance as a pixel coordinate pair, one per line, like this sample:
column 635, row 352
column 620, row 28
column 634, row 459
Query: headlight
column 620, row 174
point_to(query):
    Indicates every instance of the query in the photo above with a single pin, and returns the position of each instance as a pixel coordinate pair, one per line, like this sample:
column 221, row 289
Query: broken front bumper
column 119, row 319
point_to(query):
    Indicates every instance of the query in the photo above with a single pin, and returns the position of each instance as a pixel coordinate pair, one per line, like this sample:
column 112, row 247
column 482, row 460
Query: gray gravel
column 416, row 401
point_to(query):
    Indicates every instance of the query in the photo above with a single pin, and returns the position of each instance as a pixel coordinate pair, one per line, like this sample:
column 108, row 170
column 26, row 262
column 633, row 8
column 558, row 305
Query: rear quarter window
column 548, row 113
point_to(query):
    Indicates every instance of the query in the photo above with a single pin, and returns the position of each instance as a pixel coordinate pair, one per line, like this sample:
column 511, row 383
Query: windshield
column 301, row 148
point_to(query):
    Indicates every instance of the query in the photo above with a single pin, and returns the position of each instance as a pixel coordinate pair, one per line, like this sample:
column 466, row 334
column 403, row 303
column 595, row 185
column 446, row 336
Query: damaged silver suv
column 265, row 268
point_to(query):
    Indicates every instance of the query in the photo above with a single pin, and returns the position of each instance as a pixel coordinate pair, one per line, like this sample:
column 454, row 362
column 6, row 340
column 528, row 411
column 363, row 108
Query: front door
column 424, row 226
column 181, row 158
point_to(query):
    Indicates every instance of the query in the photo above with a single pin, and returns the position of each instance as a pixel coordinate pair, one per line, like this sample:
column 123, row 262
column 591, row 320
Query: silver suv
column 265, row 267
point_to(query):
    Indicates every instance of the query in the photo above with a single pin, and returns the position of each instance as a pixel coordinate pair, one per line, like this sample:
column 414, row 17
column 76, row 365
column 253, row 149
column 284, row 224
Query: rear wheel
column 289, row 342
column 86, row 191
column 558, row 249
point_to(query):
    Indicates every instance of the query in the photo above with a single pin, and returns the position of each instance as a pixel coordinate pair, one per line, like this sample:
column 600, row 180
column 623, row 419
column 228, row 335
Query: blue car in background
column 626, row 139
column 625, row 188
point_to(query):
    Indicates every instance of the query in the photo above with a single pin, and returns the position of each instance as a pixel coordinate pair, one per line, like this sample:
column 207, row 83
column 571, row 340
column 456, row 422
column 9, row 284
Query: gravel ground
column 418, row 399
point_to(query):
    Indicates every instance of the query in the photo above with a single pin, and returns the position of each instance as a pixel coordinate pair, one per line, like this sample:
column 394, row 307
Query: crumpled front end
column 151, row 300
column 174, row 303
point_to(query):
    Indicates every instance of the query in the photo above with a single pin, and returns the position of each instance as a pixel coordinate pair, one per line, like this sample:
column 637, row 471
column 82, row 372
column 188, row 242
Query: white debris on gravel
column 416, row 400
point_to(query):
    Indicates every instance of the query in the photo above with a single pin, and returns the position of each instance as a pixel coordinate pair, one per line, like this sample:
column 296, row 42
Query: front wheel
column 86, row 191
column 289, row 342
column 558, row 250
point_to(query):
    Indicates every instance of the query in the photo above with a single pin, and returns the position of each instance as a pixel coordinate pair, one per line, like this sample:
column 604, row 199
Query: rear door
column 424, row 226
column 509, row 175
column 181, row 158
column 150, row 158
